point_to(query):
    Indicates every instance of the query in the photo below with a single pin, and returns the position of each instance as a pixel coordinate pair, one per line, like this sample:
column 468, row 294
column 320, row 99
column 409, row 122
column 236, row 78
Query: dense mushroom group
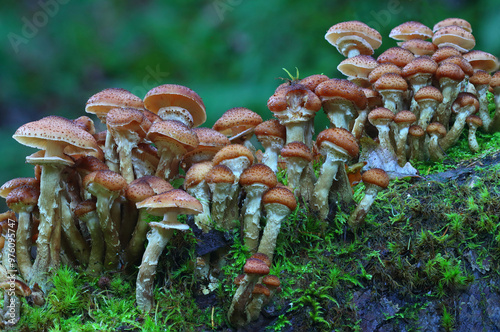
column 90, row 201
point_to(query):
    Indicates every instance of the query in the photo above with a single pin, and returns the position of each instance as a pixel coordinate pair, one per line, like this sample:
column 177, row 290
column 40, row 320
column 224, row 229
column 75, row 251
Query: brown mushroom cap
column 128, row 120
column 429, row 92
column 454, row 36
column 297, row 150
column 261, row 289
column 355, row 28
column 220, row 174
column 419, row 47
column 85, row 123
column 444, row 52
column 411, row 30
column 173, row 132
column 449, row 70
column 208, row 137
column 84, row 207
column 461, row 62
column 380, row 114
column 196, row 174
column 232, row 151
column 396, row 55
column 102, row 102
column 10, row 185
column 237, row 120
column 167, row 95
column 255, row 266
column 311, row 82
column 436, row 128
column 341, row 88
column 358, row 66
column 474, row 121
column 382, row 69
column 480, row 77
column 173, row 200
column 339, row 137
column 480, row 60
column 495, row 80
column 20, row 197
column 376, row 176
column 89, row 164
column 146, row 186
column 405, row 118
column 258, row 173
column 420, row 65
column 391, row 81
column 57, row 135
column 416, row 131
column 280, row 195
column 271, row 281
column 453, row 21
column 284, row 97
column 465, row 99
column 271, row 128
column 108, row 179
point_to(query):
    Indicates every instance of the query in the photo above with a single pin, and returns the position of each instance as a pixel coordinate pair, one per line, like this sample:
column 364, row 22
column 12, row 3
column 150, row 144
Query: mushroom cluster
column 93, row 193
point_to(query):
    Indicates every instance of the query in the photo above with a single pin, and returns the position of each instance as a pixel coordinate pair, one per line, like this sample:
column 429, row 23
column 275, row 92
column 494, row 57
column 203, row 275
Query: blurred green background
column 55, row 54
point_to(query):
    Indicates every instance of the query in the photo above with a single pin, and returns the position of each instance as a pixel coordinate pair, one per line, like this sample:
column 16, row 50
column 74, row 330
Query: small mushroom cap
column 84, row 207
column 167, row 95
column 56, row 130
column 311, row 82
column 173, row 132
column 355, row 28
column 102, row 102
column 405, row 118
column 465, row 99
column 20, row 197
column 474, row 121
column 453, row 21
column 444, row 52
column 461, row 62
column 380, row 114
column 341, row 88
column 146, row 186
column 208, row 137
column 220, row 174
column 420, row 65
column 232, row 151
column 297, row 150
column 271, row 281
column 255, row 266
column 127, row 120
column 263, row 257
column 85, row 123
column 258, row 173
column 239, row 278
column 282, row 99
column 280, row 195
column 10, row 185
column 396, row 55
column 358, row 66
column 341, row 138
column 384, row 68
column 436, row 128
column 237, row 120
column 391, row 81
column 419, row 47
column 428, row 92
column 270, row 128
column 261, row 289
column 449, row 70
column 196, row 174
column 88, row 164
column 376, row 176
column 107, row 179
column 416, row 131
column 174, row 200
column 411, row 30
column 480, row 77
column 482, row 60
column 454, row 36
column 495, row 80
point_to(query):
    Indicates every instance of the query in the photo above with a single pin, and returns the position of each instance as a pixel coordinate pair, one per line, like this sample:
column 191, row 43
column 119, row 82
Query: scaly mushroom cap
column 85, row 123
column 297, row 150
column 380, row 115
column 271, row 281
column 128, row 119
column 449, row 70
column 453, row 21
column 474, row 121
column 169, row 95
column 197, row 174
column 340, row 138
column 384, row 68
column 173, row 200
column 419, row 47
column 280, row 195
column 396, row 55
column 377, row 177
column 311, row 82
column 10, row 185
column 261, row 289
column 416, row 131
column 271, row 129
column 339, row 88
column 429, row 92
column 210, row 142
column 436, row 128
column 482, row 60
column 231, row 152
column 420, row 65
column 465, row 99
column 220, row 174
column 89, row 164
column 84, row 207
column 444, row 52
column 454, row 36
column 237, row 120
column 255, row 266
column 373, row 97
column 258, row 173
column 22, row 197
column 57, row 136
column 102, row 102
column 461, row 62
column 173, row 132
column 411, row 30
column 146, row 186
column 280, row 101
column 391, row 81
column 495, row 80
column 358, row 66
column 354, row 28
column 107, row 179
column 405, row 118
column 480, row 77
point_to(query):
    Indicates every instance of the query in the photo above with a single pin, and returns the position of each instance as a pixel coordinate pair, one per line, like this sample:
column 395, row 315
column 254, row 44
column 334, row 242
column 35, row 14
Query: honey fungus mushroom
column 168, row 205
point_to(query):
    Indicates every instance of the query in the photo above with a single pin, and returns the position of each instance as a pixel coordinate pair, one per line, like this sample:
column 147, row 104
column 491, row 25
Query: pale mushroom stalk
column 339, row 112
column 110, row 153
column 270, row 155
column 251, row 219
column 169, row 161
column 483, row 112
column 449, row 90
column 125, row 142
column 105, row 199
column 77, row 243
column 135, row 246
column 359, row 123
column 464, row 111
column 436, row 150
column 23, row 241
column 385, row 137
column 393, row 99
column 276, row 213
column 97, row 248
column 328, row 173
column 222, row 195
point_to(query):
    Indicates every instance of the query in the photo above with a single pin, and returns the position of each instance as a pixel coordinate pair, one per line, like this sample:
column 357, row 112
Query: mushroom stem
column 449, row 91
column 23, row 241
column 97, row 249
column 272, row 228
column 295, row 132
column 251, row 219
column 359, row 124
column 110, row 154
column 135, row 246
column 109, row 230
column 327, row 174
column 357, row 217
column 125, row 143
column 75, row 239
column 48, row 241
column 157, row 241
column 201, row 192
column 483, row 112
column 270, row 156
